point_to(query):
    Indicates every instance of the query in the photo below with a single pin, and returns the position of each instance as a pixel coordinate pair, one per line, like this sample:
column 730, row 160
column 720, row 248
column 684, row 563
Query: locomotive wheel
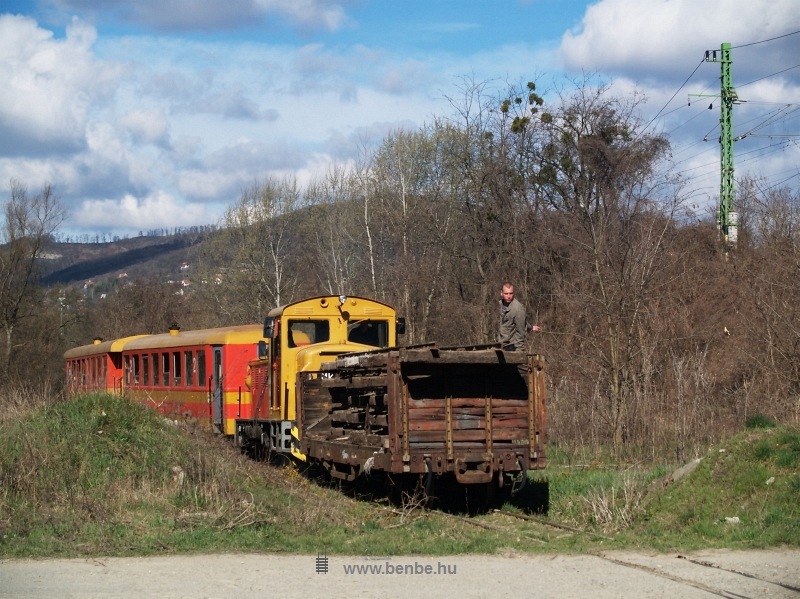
column 280, row 460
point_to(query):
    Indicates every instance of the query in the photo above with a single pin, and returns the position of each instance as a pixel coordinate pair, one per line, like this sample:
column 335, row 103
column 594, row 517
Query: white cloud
column 210, row 184
column 324, row 14
column 131, row 213
column 48, row 86
column 404, row 78
column 224, row 173
column 149, row 126
column 652, row 36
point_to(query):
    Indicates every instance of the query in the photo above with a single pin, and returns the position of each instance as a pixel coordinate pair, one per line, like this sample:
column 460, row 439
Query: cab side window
column 306, row 332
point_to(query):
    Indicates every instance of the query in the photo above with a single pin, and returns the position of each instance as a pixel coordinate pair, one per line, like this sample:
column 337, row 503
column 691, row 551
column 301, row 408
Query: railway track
column 691, row 577
column 690, row 580
column 708, row 564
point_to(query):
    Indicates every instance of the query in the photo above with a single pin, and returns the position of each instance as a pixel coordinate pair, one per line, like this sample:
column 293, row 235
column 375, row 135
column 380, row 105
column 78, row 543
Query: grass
column 744, row 493
column 98, row 475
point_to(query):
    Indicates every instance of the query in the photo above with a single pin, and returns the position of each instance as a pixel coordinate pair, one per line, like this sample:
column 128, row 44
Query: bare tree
column 415, row 178
column 617, row 226
column 769, row 268
column 336, row 230
column 30, row 222
column 245, row 268
column 499, row 195
column 140, row 306
column 364, row 181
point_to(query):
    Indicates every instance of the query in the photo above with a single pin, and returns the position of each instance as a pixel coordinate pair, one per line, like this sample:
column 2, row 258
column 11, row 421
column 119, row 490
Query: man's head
column 507, row 292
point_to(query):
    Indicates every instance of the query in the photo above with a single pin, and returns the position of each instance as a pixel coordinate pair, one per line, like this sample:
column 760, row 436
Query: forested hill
column 70, row 263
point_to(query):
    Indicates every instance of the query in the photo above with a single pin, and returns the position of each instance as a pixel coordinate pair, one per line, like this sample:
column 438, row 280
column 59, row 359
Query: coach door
column 217, row 387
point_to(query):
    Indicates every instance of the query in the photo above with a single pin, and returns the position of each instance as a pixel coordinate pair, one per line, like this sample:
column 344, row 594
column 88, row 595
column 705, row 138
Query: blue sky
column 158, row 113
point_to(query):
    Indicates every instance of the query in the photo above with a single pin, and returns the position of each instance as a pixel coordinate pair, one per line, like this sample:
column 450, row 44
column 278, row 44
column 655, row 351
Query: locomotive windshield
column 369, row 332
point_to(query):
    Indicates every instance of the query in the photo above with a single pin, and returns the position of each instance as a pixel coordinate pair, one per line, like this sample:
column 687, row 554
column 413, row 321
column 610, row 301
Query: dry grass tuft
column 18, row 402
column 618, row 506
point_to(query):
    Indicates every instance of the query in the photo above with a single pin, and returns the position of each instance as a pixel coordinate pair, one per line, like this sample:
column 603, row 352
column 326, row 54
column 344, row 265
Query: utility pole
column 727, row 217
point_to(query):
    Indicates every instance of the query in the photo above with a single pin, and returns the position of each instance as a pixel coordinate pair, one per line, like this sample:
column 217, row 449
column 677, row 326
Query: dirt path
column 773, row 573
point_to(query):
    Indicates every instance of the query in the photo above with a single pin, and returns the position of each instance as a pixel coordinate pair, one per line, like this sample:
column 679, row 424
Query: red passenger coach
column 196, row 374
column 96, row 367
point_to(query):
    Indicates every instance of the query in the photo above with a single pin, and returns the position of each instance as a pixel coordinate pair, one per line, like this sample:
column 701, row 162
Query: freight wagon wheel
column 534, row 498
column 479, row 497
column 452, row 496
column 502, row 494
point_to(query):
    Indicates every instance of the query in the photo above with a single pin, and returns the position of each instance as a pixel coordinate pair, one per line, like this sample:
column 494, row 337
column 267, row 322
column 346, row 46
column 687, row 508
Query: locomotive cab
column 299, row 338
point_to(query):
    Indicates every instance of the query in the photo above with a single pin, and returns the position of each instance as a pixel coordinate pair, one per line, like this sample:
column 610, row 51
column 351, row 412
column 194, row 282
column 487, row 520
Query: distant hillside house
column 184, row 266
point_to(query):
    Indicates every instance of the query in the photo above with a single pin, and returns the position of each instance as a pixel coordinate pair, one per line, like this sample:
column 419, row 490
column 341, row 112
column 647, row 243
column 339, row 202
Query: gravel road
column 734, row 574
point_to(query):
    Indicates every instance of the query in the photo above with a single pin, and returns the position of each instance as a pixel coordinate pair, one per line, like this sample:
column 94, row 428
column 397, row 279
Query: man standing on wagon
column 513, row 325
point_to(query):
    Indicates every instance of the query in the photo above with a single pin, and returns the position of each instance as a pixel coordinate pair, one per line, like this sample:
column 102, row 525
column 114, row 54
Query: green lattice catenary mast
column 727, row 218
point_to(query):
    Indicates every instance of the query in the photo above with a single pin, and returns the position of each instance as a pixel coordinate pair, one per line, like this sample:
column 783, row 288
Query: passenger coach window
column 176, row 367
column 191, row 379
column 155, row 369
column 145, row 370
column 135, row 370
column 165, row 368
column 201, row 367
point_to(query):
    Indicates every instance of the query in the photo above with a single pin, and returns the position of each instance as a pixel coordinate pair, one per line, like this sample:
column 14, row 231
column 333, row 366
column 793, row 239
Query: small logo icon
column 322, row 562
